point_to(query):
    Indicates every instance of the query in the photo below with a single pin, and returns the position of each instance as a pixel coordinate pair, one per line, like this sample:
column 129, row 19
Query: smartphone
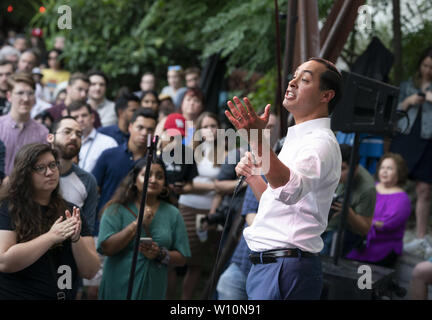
column 146, row 240
column 421, row 94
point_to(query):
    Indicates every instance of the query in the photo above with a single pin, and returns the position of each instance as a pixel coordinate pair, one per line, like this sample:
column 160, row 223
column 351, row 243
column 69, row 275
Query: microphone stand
column 211, row 286
column 151, row 147
column 338, row 243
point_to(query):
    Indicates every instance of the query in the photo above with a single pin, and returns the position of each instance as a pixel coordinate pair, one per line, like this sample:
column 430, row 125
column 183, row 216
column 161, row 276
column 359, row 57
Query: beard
column 67, row 153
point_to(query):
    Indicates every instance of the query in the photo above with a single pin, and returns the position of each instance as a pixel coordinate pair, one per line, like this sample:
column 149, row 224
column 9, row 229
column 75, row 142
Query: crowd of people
column 72, row 166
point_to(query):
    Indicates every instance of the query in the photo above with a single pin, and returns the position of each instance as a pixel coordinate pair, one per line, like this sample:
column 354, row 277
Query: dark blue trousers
column 289, row 278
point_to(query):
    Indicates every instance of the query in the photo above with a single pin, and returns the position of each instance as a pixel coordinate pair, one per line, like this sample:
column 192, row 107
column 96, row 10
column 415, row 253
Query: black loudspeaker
column 366, row 106
column 341, row 282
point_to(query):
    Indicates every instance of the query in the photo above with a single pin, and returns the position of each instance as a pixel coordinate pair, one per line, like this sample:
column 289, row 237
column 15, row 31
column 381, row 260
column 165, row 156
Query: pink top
column 14, row 138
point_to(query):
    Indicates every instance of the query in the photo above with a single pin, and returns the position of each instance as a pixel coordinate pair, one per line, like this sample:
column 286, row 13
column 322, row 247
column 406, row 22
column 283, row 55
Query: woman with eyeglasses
column 44, row 245
column 162, row 222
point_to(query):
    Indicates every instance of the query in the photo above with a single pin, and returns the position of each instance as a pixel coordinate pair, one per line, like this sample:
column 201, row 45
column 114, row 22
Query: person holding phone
column 162, row 223
column 415, row 146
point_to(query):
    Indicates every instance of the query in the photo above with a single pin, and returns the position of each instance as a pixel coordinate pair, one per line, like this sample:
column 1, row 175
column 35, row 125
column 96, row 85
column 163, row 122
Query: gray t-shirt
column 80, row 187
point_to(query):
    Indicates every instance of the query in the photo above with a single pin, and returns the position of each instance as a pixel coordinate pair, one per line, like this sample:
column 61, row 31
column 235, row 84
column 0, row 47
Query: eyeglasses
column 68, row 133
column 21, row 94
column 42, row 169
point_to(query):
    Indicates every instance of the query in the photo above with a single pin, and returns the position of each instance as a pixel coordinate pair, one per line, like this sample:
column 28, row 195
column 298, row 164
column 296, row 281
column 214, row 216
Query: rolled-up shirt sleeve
column 306, row 173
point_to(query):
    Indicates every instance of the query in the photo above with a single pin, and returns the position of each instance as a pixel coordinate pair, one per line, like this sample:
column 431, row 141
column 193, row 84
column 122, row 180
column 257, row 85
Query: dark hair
column 331, row 79
column 127, row 192
column 194, row 70
column 26, row 215
column 346, row 150
column 154, row 93
column 401, row 167
column 122, row 102
column 44, row 115
column 197, row 142
column 166, row 106
column 417, row 77
column 57, row 123
column 144, row 112
column 98, row 73
column 78, row 76
column 78, row 104
column 21, row 36
column 59, row 58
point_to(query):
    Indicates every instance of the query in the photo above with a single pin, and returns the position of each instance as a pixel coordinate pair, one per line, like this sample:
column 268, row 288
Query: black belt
column 271, row 255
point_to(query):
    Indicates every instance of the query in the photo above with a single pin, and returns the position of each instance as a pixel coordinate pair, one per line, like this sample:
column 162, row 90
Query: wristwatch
column 163, row 256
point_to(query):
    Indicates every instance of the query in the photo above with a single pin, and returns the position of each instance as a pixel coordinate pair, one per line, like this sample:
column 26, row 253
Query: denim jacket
column 407, row 88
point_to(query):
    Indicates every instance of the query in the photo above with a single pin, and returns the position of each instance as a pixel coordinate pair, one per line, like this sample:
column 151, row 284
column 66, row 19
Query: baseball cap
column 164, row 96
column 175, row 123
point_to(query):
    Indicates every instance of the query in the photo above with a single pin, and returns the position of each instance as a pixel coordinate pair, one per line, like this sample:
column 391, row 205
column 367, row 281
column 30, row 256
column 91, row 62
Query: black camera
column 218, row 217
column 336, row 198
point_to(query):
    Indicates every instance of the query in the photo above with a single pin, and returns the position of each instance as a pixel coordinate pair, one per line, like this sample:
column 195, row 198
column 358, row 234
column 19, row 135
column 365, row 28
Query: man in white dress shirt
column 93, row 142
column 294, row 204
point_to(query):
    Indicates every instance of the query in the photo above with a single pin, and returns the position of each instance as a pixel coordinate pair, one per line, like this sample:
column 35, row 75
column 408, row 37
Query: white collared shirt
column 295, row 215
column 107, row 114
column 92, row 147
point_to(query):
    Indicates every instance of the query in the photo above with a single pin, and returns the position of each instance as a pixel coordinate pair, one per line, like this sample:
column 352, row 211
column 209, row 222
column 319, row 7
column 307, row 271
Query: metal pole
column 150, row 151
column 346, row 201
column 278, row 100
column 290, row 36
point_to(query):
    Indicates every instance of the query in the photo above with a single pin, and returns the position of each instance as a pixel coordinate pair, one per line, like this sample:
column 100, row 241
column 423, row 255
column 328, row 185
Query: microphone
column 243, row 178
column 240, row 181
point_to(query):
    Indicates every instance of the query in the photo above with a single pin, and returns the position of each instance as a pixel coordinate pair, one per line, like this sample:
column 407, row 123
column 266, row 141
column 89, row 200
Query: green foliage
column 244, row 32
column 126, row 38
column 414, row 44
column 416, row 23
column 324, row 7
column 265, row 91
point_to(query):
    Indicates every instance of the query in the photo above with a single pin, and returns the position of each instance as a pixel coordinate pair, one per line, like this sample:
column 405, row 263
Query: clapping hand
column 75, row 216
column 63, row 229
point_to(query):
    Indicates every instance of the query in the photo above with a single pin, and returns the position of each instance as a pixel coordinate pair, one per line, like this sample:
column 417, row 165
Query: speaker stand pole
column 346, row 201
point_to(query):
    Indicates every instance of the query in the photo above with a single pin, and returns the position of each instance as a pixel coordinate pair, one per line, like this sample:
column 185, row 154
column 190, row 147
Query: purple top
column 14, row 138
column 56, row 111
column 393, row 210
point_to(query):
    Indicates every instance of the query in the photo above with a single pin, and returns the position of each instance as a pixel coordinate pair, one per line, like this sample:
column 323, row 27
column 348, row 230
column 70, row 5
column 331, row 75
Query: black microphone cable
column 213, row 276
